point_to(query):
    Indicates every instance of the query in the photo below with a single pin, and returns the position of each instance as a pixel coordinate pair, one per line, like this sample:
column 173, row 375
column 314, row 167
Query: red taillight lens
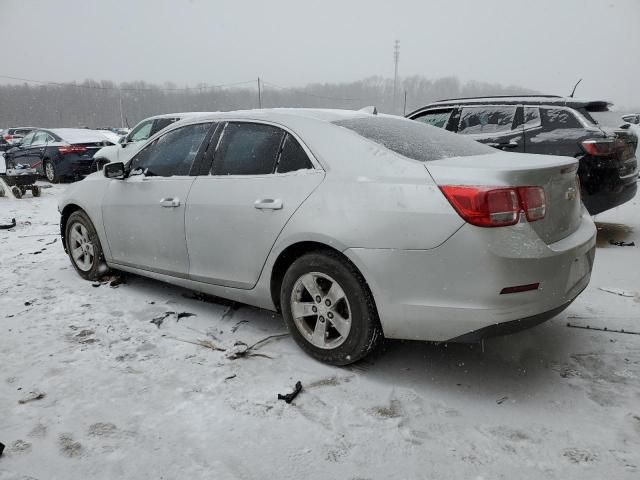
column 72, row 149
column 496, row 207
column 8, row 137
column 600, row 147
column 534, row 203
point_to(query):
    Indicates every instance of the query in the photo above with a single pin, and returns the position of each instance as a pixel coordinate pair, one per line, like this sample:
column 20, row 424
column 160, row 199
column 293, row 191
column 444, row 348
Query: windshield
column 414, row 140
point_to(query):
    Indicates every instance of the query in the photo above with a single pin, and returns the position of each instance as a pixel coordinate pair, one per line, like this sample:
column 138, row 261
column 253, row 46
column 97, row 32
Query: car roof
column 281, row 114
column 77, row 135
column 556, row 100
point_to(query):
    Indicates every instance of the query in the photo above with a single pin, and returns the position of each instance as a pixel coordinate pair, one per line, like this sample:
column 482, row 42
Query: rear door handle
column 268, row 204
column 170, row 202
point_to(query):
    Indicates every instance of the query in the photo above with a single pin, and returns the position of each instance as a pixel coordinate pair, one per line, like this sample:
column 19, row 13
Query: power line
column 125, row 89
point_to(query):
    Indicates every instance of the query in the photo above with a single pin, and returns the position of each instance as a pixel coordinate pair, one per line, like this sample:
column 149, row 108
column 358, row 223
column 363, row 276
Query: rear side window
column 413, row 139
column 247, row 149
column 436, row 118
column 554, row 118
column 173, row 153
column 292, row 157
column 496, row 119
column 40, row 137
column 28, row 139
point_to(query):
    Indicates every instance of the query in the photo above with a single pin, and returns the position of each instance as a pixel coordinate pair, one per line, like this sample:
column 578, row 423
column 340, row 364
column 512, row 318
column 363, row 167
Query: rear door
column 21, row 153
column 498, row 126
column 35, row 152
column 144, row 214
column 553, row 131
column 259, row 176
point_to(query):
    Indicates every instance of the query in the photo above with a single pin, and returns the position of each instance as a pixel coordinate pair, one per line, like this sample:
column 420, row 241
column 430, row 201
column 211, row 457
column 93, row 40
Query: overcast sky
column 544, row 44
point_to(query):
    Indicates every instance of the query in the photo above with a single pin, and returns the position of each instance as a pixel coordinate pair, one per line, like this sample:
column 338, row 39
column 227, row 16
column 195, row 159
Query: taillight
column 600, row 147
column 534, row 203
column 496, row 207
column 72, row 149
column 8, row 137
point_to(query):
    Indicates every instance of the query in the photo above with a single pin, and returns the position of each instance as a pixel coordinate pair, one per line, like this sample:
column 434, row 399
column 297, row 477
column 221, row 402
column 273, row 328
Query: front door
column 143, row 215
column 259, row 177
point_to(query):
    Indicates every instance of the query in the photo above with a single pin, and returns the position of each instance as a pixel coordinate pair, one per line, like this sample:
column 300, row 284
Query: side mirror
column 114, row 170
column 123, row 141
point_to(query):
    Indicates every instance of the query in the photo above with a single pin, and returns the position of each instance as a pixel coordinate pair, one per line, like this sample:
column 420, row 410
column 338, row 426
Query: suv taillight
column 72, row 149
column 600, row 147
column 496, row 206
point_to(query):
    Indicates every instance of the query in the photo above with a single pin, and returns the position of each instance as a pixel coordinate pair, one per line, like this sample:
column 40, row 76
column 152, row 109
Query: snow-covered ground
column 127, row 398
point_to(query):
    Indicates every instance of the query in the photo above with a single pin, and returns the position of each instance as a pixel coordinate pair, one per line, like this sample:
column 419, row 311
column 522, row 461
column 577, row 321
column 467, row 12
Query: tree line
column 103, row 103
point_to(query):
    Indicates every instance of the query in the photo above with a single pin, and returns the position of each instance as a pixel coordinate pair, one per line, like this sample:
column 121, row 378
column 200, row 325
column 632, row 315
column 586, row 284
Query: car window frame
column 217, row 138
column 578, row 117
column 279, row 156
column 196, row 166
column 22, row 143
column 451, row 109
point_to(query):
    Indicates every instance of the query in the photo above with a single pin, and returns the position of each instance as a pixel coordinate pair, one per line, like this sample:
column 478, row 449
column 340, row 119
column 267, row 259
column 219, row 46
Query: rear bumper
column 448, row 292
column 72, row 166
column 601, row 201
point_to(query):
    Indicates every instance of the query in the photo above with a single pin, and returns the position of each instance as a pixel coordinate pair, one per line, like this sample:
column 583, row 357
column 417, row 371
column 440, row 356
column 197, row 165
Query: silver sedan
column 355, row 226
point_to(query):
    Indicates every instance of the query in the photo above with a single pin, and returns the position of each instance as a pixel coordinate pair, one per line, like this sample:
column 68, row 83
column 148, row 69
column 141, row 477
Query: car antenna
column 574, row 88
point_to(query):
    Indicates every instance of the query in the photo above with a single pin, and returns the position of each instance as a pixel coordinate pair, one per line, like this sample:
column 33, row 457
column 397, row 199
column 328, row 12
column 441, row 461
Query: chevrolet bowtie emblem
column 570, row 194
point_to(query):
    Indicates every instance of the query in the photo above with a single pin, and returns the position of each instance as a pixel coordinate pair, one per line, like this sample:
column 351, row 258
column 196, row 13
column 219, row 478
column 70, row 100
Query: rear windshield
column 414, row 139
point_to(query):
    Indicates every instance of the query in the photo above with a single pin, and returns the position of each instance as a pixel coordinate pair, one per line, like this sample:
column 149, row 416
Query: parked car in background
column 633, row 118
column 550, row 125
column 129, row 145
column 443, row 239
column 12, row 136
column 59, row 153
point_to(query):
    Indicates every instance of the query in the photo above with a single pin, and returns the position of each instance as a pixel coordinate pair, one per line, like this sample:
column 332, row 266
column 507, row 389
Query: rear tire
column 329, row 309
column 83, row 246
column 50, row 171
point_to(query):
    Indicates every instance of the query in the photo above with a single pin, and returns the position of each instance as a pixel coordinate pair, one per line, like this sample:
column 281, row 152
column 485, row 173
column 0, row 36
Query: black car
column 59, row 153
column 550, row 125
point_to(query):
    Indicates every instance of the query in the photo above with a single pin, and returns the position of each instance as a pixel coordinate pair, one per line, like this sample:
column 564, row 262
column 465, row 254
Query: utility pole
column 404, row 109
column 259, row 94
column 121, row 110
column 396, row 58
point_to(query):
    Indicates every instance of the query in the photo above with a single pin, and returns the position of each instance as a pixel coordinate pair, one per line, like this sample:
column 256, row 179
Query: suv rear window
column 414, row 140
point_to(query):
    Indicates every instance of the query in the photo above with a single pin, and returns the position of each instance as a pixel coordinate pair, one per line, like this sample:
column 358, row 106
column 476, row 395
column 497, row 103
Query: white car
column 130, row 144
column 353, row 225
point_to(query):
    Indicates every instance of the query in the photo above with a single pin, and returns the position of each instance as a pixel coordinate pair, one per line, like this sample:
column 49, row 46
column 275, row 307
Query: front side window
column 436, row 118
column 141, row 132
column 531, row 117
column 554, row 118
column 41, row 138
column 474, row 120
column 173, row 153
column 28, row 139
column 247, row 149
column 161, row 124
column 292, row 157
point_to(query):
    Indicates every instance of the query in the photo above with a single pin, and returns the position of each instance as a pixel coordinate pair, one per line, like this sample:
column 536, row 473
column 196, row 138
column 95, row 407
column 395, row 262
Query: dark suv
column 550, row 125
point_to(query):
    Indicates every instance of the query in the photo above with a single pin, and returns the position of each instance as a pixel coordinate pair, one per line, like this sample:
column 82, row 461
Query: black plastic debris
column 289, row 397
column 8, row 226
column 184, row 315
column 157, row 321
column 1, row 448
column 621, row 243
column 500, row 401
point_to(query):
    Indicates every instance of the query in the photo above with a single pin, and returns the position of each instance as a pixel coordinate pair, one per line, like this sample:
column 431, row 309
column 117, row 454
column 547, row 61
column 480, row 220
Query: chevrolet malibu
column 355, row 226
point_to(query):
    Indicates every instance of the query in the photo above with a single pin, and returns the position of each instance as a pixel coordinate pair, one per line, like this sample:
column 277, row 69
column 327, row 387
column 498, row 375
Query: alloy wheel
column 320, row 310
column 81, row 247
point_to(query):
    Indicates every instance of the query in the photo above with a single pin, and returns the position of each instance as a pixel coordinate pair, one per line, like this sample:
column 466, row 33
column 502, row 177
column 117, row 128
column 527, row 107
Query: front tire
column 329, row 309
column 50, row 172
column 83, row 246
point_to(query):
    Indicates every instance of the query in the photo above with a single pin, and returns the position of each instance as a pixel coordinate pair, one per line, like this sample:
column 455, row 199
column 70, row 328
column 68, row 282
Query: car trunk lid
column 556, row 175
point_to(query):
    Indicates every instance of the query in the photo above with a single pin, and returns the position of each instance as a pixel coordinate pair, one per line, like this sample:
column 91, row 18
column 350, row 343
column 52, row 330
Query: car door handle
column 268, row 204
column 170, row 202
column 504, row 146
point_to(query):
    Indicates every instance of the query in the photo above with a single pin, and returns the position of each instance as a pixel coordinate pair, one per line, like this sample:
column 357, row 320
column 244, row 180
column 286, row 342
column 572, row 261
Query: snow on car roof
column 79, row 135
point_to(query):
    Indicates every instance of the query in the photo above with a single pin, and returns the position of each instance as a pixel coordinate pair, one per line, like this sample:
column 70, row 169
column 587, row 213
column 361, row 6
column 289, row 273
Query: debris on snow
column 184, row 315
column 32, row 397
column 603, row 329
column 1, row 448
column 621, row 243
column 500, row 401
column 8, row 226
column 617, row 291
column 230, row 377
column 242, row 350
column 289, row 397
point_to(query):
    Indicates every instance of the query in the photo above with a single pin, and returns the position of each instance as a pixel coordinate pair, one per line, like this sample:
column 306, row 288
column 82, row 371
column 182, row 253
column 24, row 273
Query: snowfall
column 101, row 380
